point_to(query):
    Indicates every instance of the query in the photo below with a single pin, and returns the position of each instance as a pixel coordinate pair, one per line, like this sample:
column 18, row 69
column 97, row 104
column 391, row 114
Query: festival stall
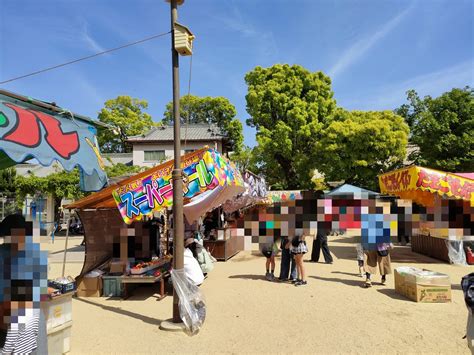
column 448, row 200
column 117, row 219
column 33, row 129
column 222, row 237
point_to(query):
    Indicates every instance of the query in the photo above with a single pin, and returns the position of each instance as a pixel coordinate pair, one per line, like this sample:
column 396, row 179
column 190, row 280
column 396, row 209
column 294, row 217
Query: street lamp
column 177, row 174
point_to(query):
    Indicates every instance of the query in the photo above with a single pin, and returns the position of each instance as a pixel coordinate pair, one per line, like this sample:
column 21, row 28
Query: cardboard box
column 89, row 287
column 117, row 267
column 422, row 285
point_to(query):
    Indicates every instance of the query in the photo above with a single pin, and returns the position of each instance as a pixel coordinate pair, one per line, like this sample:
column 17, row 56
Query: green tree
column 245, row 159
column 126, row 114
column 7, row 180
column 117, row 170
column 443, row 129
column 288, row 105
column 59, row 185
column 213, row 110
column 357, row 146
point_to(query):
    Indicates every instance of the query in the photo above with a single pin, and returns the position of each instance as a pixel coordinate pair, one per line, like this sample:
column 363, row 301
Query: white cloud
column 363, row 45
column 263, row 41
column 89, row 41
column 434, row 84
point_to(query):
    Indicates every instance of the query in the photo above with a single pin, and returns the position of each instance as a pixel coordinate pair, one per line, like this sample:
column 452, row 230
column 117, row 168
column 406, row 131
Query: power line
column 85, row 58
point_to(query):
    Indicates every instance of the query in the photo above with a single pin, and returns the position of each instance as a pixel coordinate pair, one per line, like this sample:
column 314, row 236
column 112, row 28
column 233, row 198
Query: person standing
column 298, row 249
column 380, row 256
column 287, row 259
column 360, row 258
column 321, row 243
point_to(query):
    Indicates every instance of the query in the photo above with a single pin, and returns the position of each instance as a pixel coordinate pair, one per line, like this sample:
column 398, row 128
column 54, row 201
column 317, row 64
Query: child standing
column 270, row 251
column 360, row 259
column 298, row 249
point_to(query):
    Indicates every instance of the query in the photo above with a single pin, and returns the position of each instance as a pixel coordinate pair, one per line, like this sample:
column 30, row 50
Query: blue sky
column 374, row 50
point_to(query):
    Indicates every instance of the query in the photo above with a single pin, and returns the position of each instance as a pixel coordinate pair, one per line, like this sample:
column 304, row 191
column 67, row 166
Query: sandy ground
column 247, row 314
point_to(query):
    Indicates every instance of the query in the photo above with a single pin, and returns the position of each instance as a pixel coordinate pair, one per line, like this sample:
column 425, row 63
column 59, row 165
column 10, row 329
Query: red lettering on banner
column 394, row 181
column 433, row 181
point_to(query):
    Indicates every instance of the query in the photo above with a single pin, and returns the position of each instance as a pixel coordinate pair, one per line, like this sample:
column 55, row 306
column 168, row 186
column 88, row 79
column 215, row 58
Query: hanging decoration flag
column 202, row 172
column 28, row 130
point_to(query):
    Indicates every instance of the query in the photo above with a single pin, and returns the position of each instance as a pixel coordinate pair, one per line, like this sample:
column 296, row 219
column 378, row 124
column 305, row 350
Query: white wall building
column 157, row 145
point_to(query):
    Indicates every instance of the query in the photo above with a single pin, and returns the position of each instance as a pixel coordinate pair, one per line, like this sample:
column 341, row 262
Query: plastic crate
column 64, row 288
column 112, row 286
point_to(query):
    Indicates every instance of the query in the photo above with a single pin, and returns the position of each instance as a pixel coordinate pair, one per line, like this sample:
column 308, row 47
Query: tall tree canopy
column 443, row 129
column 125, row 113
column 357, row 146
column 215, row 110
column 288, row 106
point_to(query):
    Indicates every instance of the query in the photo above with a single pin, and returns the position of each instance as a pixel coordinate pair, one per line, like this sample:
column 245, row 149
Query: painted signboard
column 202, row 172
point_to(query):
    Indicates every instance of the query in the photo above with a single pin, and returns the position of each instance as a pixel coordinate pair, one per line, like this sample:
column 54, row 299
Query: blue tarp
column 348, row 189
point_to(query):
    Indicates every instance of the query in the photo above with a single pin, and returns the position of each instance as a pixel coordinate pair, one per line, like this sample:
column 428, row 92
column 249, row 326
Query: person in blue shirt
column 23, row 280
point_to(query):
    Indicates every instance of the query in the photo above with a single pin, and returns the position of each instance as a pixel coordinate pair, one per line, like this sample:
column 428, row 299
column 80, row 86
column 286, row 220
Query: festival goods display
column 255, row 191
column 202, row 172
column 144, row 267
column 422, row 185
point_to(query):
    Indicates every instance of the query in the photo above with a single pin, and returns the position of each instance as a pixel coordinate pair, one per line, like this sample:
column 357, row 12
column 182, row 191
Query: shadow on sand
column 145, row 319
column 390, row 292
column 249, row 277
column 78, row 248
column 345, row 273
column 356, row 283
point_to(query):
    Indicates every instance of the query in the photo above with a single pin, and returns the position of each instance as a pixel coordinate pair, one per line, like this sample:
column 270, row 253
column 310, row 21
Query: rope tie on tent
column 64, row 110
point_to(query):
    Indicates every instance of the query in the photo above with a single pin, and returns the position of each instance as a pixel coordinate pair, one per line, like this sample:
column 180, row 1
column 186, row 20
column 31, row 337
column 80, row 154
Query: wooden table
column 137, row 279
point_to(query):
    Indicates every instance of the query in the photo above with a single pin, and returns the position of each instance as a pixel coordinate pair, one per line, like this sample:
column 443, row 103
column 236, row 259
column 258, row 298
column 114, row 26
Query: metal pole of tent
column 65, row 246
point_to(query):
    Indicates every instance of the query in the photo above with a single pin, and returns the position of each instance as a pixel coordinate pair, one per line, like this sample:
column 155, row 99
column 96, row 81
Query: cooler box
column 112, row 286
column 422, row 285
column 58, row 311
column 59, row 339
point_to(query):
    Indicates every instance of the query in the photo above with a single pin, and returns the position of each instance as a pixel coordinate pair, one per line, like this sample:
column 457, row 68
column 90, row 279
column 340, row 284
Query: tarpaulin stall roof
column 425, row 186
column 151, row 191
column 32, row 129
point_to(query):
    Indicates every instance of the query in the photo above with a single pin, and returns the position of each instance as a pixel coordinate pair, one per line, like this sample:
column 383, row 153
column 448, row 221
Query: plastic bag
column 192, row 307
column 456, row 252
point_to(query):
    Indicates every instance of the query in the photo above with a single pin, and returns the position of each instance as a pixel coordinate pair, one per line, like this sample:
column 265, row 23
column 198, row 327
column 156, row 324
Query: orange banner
column 415, row 182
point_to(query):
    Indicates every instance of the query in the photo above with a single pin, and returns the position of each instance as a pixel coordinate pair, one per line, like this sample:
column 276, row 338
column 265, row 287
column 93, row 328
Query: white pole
column 65, row 247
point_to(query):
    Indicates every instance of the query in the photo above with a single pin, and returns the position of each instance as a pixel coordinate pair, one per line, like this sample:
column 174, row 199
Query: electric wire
column 85, row 58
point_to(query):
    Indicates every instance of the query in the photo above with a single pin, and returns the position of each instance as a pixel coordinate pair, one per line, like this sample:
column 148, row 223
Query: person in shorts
column 270, row 251
column 360, row 258
column 298, row 249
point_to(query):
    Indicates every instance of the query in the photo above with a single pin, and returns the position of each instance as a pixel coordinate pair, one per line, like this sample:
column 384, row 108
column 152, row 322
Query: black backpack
column 467, row 284
column 296, row 241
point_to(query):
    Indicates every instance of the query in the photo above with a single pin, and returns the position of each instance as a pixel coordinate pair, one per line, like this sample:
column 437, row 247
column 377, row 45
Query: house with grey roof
column 157, row 145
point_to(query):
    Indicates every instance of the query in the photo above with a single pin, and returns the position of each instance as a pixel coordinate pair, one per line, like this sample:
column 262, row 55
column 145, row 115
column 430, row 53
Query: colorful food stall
column 448, row 200
column 117, row 219
column 34, row 129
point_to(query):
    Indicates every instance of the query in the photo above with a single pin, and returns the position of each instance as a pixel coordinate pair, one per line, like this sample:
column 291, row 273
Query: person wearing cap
column 191, row 266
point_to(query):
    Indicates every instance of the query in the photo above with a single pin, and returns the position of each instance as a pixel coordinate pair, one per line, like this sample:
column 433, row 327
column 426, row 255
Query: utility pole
column 177, row 175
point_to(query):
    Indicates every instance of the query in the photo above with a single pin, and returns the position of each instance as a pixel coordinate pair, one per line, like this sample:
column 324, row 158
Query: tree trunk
column 291, row 177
